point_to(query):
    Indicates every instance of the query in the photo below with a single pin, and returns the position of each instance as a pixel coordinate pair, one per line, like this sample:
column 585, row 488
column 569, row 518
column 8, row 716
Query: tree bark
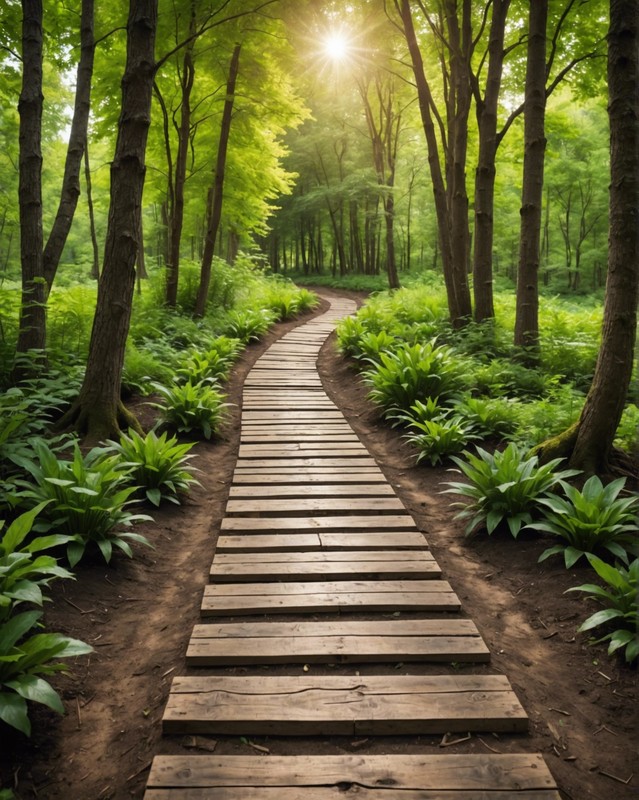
column 95, row 264
column 176, row 218
column 605, row 401
column 486, row 112
column 527, row 313
column 75, row 150
column 32, row 326
column 457, row 290
column 98, row 411
column 217, row 195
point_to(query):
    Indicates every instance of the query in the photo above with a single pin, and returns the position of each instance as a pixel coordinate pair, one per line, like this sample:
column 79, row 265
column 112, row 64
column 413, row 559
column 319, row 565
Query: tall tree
column 486, row 107
column 216, row 196
column 589, row 442
column 75, row 150
column 527, row 317
column 449, row 187
column 32, row 331
column 98, row 411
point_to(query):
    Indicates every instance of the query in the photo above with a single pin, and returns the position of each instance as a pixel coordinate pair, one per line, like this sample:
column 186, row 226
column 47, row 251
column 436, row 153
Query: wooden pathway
column 318, row 562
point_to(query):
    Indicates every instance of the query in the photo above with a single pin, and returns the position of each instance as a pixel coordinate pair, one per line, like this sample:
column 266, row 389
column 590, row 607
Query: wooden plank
column 313, row 490
column 448, row 627
column 313, row 505
column 294, row 416
column 338, row 523
column 344, row 596
column 365, row 777
column 325, row 557
column 272, row 477
column 282, row 542
column 355, row 706
column 306, row 461
column 337, row 793
column 317, row 571
column 310, row 450
column 274, row 439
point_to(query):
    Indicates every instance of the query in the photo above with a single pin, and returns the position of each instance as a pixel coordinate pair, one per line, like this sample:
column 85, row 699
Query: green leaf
column 15, row 628
column 599, row 618
column 33, row 688
column 13, row 711
column 155, row 496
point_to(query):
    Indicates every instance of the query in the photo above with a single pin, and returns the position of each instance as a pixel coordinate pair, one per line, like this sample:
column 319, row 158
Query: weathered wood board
column 316, row 642
column 337, row 523
column 343, row 596
column 337, row 705
column 282, row 542
column 361, row 777
column 300, row 506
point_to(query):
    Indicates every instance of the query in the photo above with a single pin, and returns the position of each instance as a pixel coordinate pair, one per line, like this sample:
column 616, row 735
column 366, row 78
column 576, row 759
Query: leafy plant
column 226, row 347
column 411, row 373
column 204, row 368
column 504, row 486
column 621, row 601
column 87, row 499
column 590, row 520
column 22, row 573
column 349, row 332
column 22, row 663
column 156, row 464
column 489, row 417
column 372, row 345
column 439, row 437
column 191, row 407
column 249, row 325
column 419, row 412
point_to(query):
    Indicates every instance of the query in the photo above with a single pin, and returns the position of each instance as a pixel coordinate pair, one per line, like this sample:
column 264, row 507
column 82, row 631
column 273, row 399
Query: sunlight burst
column 337, row 46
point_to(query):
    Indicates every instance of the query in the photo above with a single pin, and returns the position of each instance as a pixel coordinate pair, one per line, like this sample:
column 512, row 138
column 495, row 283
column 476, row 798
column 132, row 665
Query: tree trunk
column 176, row 220
column 458, row 295
column 605, row 401
column 95, row 264
column 99, row 412
column 77, row 139
column 217, row 195
column 485, row 175
column 527, row 314
column 32, row 330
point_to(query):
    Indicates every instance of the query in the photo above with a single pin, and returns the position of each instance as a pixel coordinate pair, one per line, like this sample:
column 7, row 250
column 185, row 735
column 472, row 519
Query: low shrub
column 192, row 407
column 504, row 487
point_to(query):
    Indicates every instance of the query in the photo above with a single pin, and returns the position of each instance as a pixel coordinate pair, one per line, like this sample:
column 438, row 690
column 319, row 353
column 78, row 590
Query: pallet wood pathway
column 312, row 528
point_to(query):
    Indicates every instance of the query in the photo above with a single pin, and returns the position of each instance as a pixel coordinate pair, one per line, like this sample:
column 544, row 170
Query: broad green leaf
column 13, row 711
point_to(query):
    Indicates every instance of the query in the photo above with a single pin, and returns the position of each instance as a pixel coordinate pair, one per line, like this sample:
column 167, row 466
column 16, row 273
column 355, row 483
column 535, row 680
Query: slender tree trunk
column 485, row 174
column 527, row 314
column 605, row 401
column 458, row 295
column 75, row 149
column 32, row 330
column 218, row 185
column 98, row 412
column 176, row 220
column 95, row 264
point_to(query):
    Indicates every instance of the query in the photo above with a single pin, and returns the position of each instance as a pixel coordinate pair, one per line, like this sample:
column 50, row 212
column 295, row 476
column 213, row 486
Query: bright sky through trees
column 337, row 46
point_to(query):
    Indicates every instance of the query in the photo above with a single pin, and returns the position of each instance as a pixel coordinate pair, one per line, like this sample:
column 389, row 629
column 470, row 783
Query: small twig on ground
column 139, row 772
column 615, row 777
column 559, row 711
column 71, row 603
column 446, row 742
column 257, row 747
column 79, row 713
column 487, row 746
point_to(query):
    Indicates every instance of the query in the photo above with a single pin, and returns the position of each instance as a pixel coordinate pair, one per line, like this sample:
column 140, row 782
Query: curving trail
column 318, row 562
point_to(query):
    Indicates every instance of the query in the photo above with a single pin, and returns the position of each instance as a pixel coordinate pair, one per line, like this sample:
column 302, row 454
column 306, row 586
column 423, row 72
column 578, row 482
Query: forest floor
column 138, row 616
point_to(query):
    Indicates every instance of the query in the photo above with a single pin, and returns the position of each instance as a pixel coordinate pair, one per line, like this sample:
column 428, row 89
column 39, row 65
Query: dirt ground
column 138, row 616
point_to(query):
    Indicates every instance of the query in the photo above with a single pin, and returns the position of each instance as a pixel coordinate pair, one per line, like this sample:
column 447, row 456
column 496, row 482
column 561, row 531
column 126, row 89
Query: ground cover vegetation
column 461, row 397
column 208, row 144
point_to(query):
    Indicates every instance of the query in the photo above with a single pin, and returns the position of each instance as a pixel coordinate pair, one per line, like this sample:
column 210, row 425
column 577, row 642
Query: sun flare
column 337, row 46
